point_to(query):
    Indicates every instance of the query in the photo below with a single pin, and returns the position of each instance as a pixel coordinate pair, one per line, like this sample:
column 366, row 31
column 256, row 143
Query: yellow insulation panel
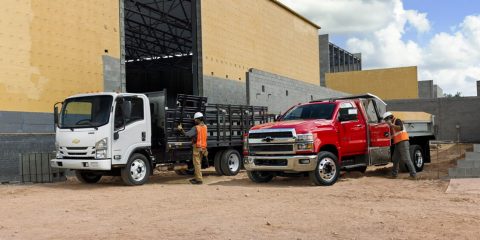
column 51, row 49
column 413, row 116
column 261, row 34
column 388, row 83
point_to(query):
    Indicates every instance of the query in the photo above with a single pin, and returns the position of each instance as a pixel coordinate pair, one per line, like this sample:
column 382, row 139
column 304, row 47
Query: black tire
column 231, row 162
column 137, row 171
column 181, row 172
column 260, row 177
column 87, row 177
column 327, row 171
column 361, row 169
column 217, row 163
column 418, row 159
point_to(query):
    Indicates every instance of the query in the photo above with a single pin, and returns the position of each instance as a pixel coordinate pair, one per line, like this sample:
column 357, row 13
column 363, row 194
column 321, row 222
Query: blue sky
column 441, row 37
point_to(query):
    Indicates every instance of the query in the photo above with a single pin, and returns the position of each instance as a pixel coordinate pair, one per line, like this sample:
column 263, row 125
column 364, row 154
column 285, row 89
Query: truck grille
column 77, row 152
column 271, row 134
column 271, row 162
column 271, row 148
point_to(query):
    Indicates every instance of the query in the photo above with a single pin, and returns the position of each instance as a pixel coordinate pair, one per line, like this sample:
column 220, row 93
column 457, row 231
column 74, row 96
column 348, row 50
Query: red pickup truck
column 325, row 136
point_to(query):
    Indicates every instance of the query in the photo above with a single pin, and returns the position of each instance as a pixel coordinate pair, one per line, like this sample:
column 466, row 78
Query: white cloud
column 377, row 28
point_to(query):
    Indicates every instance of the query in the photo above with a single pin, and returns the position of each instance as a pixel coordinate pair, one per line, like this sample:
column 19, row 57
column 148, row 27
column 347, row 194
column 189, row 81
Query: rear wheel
column 218, row 163
column 87, row 177
column 137, row 170
column 418, row 159
column 231, row 162
column 260, row 177
column 327, row 171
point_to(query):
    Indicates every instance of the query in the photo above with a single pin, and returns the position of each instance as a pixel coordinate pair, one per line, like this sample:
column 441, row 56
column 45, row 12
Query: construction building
column 427, row 89
column 256, row 52
column 335, row 59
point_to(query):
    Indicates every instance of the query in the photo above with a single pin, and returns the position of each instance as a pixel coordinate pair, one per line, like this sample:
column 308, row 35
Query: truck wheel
column 217, row 163
column 231, row 162
column 87, row 177
column 327, row 171
column 260, row 177
column 137, row 170
column 416, row 154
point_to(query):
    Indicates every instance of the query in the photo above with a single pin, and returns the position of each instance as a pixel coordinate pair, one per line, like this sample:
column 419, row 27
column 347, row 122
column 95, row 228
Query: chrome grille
column 271, row 141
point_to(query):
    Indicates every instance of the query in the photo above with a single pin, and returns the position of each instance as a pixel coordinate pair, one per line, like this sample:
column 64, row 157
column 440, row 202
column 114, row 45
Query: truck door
column 353, row 134
column 379, row 135
column 130, row 128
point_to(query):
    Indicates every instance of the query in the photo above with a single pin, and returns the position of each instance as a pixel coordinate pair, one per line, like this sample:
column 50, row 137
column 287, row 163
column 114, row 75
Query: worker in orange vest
column 199, row 141
column 402, row 145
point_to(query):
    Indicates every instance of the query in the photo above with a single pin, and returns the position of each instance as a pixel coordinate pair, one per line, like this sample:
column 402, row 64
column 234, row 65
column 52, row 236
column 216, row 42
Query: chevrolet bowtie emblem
column 267, row 139
column 76, row 141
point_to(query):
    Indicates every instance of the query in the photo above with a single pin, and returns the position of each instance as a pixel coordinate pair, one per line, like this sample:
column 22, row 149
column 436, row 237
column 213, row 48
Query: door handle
column 358, row 125
column 386, row 134
column 144, row 136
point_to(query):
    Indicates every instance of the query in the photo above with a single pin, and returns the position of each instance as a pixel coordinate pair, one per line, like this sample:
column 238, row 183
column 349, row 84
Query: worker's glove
column 179, row 127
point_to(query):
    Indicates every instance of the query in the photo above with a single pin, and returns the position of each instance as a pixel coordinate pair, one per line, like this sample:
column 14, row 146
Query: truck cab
column 101, row 133
column 320, row 138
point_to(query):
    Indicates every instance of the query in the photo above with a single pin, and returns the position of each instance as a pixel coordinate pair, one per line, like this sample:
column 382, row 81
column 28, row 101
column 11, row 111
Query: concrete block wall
column 456, row 119
column 224, row 91
column 23, row 132
column 468, row 167
column 15, row 144
column 279, row 93
column 426, row 89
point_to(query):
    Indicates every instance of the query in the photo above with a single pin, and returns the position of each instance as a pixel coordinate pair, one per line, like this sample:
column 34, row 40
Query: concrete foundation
column 468, row 167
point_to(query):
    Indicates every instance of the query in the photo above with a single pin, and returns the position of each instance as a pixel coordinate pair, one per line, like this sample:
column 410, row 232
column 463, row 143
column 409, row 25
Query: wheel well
column 329, row 148
column 145, row 152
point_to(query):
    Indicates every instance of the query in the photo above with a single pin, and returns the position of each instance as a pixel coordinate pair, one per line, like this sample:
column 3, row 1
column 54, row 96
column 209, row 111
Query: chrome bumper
column 294, row 163
column 82, row 164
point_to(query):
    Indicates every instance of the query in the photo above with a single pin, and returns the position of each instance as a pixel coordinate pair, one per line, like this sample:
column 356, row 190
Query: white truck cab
column 105, row 132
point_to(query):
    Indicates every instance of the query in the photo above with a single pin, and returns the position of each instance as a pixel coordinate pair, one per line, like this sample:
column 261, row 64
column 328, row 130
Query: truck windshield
column 310, row 111
column 85, row 112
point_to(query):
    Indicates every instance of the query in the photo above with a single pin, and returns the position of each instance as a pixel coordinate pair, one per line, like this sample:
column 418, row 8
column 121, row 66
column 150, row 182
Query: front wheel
column 327, row 171
column 137, row 170
column 87, row 177
column 260, row 177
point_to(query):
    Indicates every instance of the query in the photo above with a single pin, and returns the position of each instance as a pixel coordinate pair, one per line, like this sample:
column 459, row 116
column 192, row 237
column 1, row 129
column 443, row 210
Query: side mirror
column 277, row 118
column 55, row 115
column 348, row 114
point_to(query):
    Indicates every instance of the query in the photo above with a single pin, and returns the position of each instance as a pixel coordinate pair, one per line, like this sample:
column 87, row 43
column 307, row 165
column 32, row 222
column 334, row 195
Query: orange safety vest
column 201, row 141
column 399, row 136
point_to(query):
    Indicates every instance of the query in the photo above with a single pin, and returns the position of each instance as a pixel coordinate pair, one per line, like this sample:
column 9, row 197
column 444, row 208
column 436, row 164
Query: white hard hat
column 387, row 114
column 197, row 115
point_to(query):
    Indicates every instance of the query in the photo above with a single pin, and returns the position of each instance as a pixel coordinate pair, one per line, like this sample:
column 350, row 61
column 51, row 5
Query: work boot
column 392, row 176
column 413, row 177
column 195, row 181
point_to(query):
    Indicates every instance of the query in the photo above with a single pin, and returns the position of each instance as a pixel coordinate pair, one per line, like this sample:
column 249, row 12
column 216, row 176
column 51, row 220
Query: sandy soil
column 357, row 207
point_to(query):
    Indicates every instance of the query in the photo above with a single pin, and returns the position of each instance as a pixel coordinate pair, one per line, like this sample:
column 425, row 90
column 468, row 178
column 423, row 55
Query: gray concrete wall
column 478, row 88
column 267, row 89
column 324, row 57
column 437, row 91
column 224, row 91
column 112, row 74
column 425, row 89
column 449, row 113
column 23, row 132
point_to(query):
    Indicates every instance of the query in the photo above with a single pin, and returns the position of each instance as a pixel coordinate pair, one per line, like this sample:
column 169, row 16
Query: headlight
column 305, row 137
column 101, row 148
column 305, row 146
column 57, row 150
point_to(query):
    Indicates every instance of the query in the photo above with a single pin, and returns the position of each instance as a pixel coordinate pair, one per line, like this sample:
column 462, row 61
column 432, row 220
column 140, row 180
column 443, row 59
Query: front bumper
column 82, row 164
column 299, row 163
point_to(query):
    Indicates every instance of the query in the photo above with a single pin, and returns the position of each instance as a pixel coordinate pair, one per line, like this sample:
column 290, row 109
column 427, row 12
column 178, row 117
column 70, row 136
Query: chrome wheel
column 418, row 158
column 327, row 169
column 138, row 170
column 233, row 162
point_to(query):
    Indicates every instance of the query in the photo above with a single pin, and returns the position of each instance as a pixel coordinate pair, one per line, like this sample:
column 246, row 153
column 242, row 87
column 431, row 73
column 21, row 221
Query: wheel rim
column 138, row 170
column 418, row 158
column 233, row 162
column 327, row 169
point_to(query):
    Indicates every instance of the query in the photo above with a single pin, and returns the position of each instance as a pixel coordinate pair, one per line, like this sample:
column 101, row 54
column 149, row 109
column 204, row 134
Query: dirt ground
column 359, row 206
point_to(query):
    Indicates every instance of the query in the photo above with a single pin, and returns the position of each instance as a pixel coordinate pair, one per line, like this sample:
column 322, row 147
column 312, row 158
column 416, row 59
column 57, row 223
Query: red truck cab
column 320, row 138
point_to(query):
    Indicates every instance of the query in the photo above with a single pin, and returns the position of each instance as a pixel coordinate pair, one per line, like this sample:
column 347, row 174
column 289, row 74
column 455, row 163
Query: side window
column 118, row 122
column 133, row 109
column 371, row 112
column 349, row 110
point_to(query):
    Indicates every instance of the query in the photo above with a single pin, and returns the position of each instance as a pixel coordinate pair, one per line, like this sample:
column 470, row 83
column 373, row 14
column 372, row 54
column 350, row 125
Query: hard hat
column 387, row 114
column 197, row 115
